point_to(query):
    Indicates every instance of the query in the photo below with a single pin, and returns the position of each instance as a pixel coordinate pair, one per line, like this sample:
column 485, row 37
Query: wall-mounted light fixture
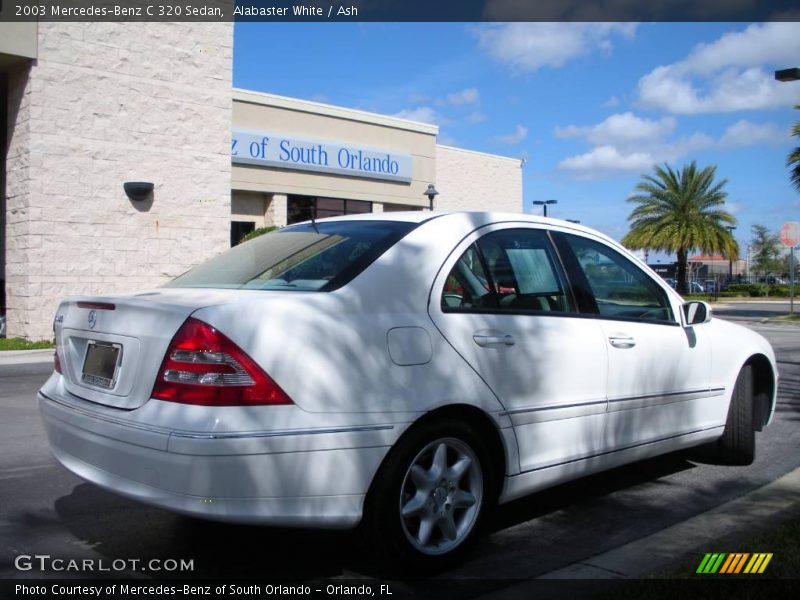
column 138, row 190
column 431, row 193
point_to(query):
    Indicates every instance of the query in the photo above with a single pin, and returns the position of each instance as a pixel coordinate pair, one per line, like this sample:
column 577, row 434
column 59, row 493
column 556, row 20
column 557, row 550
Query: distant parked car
column 692, row 287
column 671, row 282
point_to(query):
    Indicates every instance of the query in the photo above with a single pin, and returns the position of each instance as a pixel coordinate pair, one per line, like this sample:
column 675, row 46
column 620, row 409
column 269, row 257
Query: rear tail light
column 202, row 366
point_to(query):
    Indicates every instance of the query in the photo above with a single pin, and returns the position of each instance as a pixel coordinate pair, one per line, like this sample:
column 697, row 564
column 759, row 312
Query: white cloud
column 443, row 139
column 626, row 142
column 620, row 128
column 476, row 117
column 466, row 96
column 520, row 133
column 422, row 114
column 416, row 98
column 612, row 102
column 733, row 73
column 747, row 133
column 527, row 47
column 607, row 158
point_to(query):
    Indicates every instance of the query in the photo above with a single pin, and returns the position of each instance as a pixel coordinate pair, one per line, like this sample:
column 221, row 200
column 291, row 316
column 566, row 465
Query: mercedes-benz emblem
column 92, row 319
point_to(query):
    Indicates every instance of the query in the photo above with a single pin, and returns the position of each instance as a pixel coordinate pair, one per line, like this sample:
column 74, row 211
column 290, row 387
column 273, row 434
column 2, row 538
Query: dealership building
column 89, row 107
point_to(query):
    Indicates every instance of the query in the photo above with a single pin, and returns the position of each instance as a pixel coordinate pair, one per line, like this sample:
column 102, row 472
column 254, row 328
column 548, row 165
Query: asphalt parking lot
column 46, row 510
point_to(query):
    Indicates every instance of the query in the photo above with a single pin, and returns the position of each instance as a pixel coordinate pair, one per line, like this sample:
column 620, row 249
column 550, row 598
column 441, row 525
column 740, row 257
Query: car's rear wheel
column 429, row 497
column 737, row 446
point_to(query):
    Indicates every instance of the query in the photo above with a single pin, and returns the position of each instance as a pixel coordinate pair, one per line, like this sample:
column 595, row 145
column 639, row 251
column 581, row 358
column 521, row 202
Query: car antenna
column 313, row 220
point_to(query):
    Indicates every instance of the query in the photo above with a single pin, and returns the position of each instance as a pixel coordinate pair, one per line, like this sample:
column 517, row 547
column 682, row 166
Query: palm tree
column 793, row 161
column 680, row 212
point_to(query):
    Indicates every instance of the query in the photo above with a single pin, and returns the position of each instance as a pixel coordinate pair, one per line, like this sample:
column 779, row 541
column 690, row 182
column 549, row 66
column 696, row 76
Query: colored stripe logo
column 734, row 563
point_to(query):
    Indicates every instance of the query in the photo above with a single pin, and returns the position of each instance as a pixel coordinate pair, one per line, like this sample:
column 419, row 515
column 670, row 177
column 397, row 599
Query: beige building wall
column 468, row 180
column 303, row 119
column 106, row 103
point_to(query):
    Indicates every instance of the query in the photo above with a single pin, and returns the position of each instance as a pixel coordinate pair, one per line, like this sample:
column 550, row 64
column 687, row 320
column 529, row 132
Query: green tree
column 793, row 161
column 681, row 211
column 257, row 232
column 765, row 250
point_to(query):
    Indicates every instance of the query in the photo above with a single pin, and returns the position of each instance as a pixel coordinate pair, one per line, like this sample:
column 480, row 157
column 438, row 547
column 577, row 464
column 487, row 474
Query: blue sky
column 590, row 106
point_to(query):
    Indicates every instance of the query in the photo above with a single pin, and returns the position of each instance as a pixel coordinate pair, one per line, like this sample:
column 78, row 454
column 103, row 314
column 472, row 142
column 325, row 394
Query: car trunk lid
column 111, row 347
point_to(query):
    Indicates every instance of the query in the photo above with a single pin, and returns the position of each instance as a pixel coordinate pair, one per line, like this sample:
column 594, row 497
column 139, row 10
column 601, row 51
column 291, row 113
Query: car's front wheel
column 737, row 446
column 430, row 497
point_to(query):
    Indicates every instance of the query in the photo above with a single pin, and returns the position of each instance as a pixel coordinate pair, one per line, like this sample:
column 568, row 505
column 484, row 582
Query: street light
column 543, row 204
column 792, row 74
column 431, row 193
column 573, row 221
column 730, row 229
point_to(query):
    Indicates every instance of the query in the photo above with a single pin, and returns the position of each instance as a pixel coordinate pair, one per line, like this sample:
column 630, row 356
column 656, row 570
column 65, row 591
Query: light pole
column 785, row 75
column 431, row 193
column 747, row 263
column 730, row 229
column 543, row 204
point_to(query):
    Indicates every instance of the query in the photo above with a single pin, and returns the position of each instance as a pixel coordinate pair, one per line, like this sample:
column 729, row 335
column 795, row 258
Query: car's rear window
column 306, row 257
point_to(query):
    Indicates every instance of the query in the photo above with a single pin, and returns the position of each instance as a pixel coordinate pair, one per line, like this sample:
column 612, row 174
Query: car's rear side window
column 510, row 270
column 307, row 257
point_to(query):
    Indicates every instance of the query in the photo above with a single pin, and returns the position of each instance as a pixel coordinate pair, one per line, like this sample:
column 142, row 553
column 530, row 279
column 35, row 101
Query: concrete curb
column 762, row 508
column 22, row 357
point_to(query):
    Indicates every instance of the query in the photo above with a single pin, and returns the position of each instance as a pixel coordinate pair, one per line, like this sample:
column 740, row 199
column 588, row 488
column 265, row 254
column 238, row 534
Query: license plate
column 101, row 364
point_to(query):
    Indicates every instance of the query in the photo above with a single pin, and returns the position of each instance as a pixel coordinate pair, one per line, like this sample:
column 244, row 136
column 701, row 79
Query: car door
column 658, row 371
column 502, row 301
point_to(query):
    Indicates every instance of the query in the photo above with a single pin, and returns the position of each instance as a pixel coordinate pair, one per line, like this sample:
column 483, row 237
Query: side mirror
column 696, row 313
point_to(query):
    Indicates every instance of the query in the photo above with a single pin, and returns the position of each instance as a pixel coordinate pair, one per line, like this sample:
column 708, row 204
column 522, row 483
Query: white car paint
column 367, row 361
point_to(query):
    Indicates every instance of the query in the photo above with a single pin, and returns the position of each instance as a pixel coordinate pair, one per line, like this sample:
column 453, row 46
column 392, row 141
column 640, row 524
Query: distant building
column 88, row 107
column 709, row 266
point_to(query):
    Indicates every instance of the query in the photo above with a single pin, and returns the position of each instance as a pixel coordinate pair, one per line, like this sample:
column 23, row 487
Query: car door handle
column 493, row 340
column 621, row 341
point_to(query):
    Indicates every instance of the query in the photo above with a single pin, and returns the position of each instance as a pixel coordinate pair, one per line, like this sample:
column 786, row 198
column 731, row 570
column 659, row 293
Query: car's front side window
column 620, row 288
column 513, row 270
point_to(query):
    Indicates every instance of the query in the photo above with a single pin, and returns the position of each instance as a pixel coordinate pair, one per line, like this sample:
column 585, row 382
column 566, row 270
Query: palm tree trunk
column 680, row 276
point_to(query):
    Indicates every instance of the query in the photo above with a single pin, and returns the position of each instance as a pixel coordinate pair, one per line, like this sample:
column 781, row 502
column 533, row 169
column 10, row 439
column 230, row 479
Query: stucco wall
column 107, row 103
column 469, row 180
column 257, row 111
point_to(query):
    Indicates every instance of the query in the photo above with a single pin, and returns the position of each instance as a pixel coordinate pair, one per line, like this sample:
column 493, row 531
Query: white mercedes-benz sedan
column 405, row 372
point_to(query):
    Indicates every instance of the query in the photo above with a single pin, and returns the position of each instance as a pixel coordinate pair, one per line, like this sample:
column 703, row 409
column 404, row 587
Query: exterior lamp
column 137, row 190
column 731, row 229
column 573, row 221
column 431, row 193
column 543, row 204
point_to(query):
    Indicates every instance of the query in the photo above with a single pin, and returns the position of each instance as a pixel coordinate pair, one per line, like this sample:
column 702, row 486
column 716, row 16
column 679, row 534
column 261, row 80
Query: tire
column 429, row 498
column 737, row 446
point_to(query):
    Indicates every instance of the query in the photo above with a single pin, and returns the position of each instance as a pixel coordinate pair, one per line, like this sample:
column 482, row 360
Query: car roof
column 478, row 218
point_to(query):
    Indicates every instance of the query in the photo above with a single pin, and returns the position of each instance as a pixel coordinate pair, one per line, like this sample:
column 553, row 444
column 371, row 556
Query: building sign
column 287, row 152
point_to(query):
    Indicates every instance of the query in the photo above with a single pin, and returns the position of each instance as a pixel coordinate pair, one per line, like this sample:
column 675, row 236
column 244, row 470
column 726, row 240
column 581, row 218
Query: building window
column 303, row 208
column 239, row 229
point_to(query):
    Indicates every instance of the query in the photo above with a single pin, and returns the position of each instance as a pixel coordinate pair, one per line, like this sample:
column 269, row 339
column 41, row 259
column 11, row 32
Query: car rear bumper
column 292, row 478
